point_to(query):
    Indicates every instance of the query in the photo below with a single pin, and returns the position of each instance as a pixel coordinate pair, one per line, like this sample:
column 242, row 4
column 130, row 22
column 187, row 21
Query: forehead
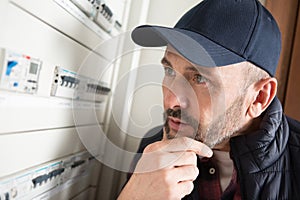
column 179, row 63
column 175, row 60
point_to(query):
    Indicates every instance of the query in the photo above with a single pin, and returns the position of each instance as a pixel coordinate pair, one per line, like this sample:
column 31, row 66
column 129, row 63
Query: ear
column 264, row 92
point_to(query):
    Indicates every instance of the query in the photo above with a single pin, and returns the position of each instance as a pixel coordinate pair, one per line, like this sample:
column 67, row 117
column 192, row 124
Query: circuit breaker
column 68, row 84
column 19, row 72
column 38, row 182
column 98, row 12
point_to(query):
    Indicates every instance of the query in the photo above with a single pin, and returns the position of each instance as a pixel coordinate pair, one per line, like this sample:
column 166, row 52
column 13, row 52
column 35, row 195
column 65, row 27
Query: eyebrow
column 192, row 68
column 202, row 70
column 165, row 61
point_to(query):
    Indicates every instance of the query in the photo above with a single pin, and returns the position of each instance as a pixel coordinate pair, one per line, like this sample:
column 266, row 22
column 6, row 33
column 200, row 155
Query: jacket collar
column 258, row 150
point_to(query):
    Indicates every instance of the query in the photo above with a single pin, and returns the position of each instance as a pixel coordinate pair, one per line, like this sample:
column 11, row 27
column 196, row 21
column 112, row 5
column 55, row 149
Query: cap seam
column 251, row 33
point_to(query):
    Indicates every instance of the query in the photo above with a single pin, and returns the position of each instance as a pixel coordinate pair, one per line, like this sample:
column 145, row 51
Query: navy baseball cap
column 218, row 33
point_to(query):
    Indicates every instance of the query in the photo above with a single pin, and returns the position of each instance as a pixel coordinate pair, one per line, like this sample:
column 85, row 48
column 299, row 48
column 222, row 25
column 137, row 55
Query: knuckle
column 162, row 161
column 193, row 157
column 173, row 194
column 190, row 187
column 186, row 141
column 196, row 171
column 167, row 177
column 169, row 194
column 151, row 147
column 187, row 189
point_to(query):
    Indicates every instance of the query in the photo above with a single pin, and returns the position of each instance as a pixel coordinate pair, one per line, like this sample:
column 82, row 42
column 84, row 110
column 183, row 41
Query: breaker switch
column 69, row 81
column 77, row 163
column 106, row 12
column 40, row 179
column 56, row 172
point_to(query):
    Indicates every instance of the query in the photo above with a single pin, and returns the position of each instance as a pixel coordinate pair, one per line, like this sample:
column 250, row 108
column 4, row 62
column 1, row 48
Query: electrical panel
column 69, row 84
column 89, row 7
column 19, row 72
column 54, row 176
column 105, row 18
column 46, row 101
column 92, row 13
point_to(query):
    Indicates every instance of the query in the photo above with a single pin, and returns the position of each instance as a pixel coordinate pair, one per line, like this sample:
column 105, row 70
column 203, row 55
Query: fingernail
column 208, row 152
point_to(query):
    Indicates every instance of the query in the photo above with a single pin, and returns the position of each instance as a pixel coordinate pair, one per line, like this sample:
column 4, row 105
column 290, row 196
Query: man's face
column 202, row 103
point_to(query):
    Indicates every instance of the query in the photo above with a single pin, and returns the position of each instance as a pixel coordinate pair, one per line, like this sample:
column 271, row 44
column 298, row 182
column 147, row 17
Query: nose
column 176, row 94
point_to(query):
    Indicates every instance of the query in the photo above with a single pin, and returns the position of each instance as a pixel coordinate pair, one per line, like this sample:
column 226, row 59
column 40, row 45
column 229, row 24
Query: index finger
column 186, row 144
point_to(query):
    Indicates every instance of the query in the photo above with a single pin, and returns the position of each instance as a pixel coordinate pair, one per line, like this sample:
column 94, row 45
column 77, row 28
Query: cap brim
column 194, row 47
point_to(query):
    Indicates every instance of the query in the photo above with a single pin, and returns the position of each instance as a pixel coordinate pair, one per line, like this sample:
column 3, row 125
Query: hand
column 166, row 170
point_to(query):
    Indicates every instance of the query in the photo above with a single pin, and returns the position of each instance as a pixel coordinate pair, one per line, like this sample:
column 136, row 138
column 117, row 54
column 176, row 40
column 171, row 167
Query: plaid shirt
column 209, row 186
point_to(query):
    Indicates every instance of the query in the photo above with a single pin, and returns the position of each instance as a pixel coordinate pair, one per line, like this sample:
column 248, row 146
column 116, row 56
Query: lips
column 180, row 128
column 176, row 124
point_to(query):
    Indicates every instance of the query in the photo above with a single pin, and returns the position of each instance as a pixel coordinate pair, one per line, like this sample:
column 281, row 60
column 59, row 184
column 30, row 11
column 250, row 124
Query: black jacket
column 267, row 161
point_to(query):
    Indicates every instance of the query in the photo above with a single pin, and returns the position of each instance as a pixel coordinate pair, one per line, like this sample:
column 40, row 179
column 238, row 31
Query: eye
column 199, row 79
column 169, row 71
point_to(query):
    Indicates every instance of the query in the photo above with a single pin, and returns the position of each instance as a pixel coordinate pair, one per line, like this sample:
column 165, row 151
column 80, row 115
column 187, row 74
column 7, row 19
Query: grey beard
column 182, row 115
column 219, row 130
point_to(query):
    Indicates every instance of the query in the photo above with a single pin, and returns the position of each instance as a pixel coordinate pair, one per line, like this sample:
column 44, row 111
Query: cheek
column 202, row 108
column 167, row 96
column 211, row 105
column 165, row 91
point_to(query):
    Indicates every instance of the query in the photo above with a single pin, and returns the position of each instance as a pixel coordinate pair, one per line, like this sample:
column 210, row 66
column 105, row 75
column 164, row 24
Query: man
column 225, row 135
